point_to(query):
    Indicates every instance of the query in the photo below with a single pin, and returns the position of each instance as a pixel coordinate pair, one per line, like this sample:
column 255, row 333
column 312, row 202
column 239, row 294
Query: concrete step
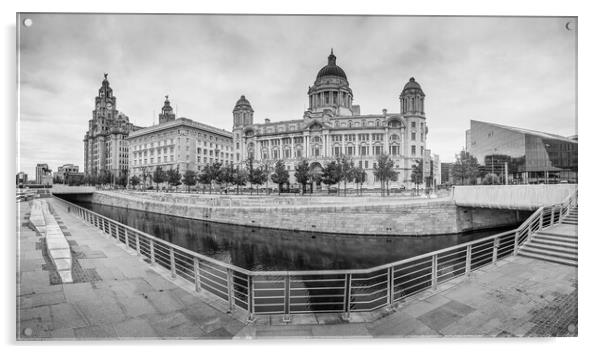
column 555, row 234
column 547, row 253
column 549, row 259
column 550, row 247
column 555, row 243
column 570, row 240
column 569, row 222
column 568, row 217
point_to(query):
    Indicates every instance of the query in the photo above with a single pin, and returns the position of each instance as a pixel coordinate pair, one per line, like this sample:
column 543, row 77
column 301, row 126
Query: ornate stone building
column 105, row 144
column 333, row 126
column 178, row 143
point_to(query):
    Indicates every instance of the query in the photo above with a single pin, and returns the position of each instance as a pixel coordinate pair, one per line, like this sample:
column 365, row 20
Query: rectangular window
column 350, row 150
column 413, row 150
column 413, row 125
column 413, row 136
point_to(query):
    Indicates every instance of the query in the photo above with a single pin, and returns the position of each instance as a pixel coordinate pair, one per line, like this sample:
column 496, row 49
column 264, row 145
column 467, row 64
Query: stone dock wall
column 414, row 217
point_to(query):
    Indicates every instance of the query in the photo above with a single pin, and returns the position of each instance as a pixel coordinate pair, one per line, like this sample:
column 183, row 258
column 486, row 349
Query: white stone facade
column 332, row 126
column 180, row 143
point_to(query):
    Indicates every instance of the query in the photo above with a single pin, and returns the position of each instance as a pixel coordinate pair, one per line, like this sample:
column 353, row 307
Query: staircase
column 571, row 218
column 556, row 243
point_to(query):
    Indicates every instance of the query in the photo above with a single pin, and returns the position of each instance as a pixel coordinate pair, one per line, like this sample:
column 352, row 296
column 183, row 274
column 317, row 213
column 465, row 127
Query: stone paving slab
column 130, row 299
column 127, row 299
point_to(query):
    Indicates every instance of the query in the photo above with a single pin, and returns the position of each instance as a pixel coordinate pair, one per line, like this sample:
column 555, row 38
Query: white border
column 590, row 249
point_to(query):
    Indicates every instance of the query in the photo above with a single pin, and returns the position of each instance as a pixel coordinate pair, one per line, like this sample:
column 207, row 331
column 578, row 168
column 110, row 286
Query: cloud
column 514, row 71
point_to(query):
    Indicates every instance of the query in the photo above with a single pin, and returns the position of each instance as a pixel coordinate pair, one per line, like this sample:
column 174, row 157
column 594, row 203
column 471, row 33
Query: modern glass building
column 522, row 155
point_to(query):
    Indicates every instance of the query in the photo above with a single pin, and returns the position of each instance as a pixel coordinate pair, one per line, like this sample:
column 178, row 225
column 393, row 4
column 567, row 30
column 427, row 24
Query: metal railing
column 335, row 291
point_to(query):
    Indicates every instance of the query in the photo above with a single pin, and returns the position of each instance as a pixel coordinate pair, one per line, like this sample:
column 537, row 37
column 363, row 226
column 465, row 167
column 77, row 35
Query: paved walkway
column 116, row 295
column 516, row 297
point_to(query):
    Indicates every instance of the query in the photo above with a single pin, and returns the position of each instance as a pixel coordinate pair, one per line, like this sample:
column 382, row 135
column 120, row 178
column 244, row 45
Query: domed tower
column 242, row 113
column 166, row 114
column 242, row 117
column 331, row 89
column 412, row 109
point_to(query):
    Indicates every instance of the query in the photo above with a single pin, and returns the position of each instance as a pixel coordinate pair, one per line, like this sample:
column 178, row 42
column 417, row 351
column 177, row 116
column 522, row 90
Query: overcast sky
column 514, row 71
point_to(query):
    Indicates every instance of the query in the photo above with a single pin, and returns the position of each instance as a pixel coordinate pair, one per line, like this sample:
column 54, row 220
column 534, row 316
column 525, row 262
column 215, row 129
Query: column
column 281, row 150
column 386, row 147
column 357, row 145
column 324, row 138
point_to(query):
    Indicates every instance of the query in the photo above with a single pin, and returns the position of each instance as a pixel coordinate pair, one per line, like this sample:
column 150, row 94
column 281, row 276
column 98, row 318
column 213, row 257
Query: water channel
column 256, row 248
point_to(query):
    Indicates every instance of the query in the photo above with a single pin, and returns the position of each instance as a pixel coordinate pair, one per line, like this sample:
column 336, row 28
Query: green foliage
column 417, row 172
column 332, row 173
column 189, row 178
column 280, row 175
column 159, row 176
column 258, row 175
column 134, row 181
column 491, row 178
column 302, row 174
column 465, row 169
column 384, row 172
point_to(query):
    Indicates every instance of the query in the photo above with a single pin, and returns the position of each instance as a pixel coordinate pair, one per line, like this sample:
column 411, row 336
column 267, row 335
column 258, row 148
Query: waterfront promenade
column 117, row 295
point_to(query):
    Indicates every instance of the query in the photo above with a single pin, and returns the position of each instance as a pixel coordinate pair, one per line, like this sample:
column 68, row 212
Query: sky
column 507, row 70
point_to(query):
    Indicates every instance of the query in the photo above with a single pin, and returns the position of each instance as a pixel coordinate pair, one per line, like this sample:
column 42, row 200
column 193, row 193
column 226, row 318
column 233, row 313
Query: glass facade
column 525, row 156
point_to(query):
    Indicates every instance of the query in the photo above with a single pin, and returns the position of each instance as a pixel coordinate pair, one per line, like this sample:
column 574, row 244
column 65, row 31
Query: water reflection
column 265, row 249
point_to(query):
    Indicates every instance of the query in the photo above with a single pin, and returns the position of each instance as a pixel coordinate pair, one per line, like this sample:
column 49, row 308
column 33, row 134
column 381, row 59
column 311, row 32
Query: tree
column 210, row 173
column 466, row 168
column 122, row 180
column 258, row 176
column 347, row 172
column 159, row 176
column 491, row 178
column 417, row 173
column 316, row 176
column 384, row 172
column 240, row 178
column 332, row 173
column 174, row 177
column 359, row 177
column 280, row 175
column 134, row 181
column 189, row 179
column 302, row 174
column 205, row 178
column 225, row 175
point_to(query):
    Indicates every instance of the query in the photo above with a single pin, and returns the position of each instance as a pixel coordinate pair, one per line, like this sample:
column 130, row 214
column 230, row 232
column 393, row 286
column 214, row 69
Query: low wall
column 416, row 217
column 528, row 196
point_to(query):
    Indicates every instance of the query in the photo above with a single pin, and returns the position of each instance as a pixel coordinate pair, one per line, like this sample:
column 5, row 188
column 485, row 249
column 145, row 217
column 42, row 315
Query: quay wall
column 411, row 218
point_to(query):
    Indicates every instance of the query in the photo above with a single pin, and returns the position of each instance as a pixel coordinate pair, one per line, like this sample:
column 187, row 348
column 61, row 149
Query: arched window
column 350, row 124
column 378, row 123
column 363, row 123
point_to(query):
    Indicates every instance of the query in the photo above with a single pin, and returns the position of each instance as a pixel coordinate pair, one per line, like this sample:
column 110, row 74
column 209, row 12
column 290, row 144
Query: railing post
column 125, row 235
column 251, row 313
column 230, row 290
column 390, row 287
column 347, row 297
column 496, row 244
column 197, row 281
column 287, row 299
column 468, row 259
column 434, row 272
column 138, row 244
column 151, row 245
column 172, row 262
column 541, row 220
column 515, row 251
column 552, row 217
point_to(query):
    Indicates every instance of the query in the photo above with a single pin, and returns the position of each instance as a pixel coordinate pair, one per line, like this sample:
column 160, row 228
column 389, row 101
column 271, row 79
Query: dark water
column 256, row 248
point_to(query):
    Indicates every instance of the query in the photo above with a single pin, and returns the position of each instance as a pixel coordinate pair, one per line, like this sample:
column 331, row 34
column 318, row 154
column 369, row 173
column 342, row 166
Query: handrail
column 166, row 243
column 253, row 290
